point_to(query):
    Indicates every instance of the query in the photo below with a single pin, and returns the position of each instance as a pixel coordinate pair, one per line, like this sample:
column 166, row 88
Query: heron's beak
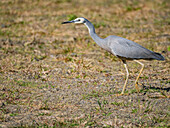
column 66, row 22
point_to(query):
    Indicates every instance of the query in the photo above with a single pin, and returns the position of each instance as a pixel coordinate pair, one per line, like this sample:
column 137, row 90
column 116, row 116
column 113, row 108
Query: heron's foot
column 122, row 94
column 137, row 88
column 119, row 94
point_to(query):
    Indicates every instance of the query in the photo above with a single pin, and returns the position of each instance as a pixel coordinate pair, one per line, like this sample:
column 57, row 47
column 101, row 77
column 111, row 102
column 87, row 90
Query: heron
column 122, row 48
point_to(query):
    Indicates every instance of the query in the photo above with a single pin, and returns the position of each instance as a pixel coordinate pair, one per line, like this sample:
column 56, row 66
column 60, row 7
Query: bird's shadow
column 156, row 88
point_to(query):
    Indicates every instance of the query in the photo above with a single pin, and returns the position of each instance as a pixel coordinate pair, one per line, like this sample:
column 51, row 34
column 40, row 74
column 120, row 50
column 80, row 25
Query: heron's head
column 79, row 20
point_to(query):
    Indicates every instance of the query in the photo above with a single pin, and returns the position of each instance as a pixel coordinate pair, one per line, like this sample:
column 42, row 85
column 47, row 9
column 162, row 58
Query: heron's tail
column 158, row 56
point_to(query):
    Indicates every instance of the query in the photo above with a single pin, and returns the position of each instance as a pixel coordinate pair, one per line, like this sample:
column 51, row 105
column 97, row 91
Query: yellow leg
column 136, row 82
column 127, row 76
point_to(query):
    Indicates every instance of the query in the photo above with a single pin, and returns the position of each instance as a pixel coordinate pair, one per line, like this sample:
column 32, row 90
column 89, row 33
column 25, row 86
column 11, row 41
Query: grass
column 54, row 75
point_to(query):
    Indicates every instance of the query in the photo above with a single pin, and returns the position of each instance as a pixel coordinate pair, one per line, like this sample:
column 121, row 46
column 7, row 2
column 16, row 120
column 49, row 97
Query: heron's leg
column 127, row 76
column 136, row 82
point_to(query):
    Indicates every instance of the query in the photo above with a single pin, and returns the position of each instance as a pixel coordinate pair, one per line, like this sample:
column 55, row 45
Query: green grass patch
column 168, row 48
column 25, row 83
column 71, row 17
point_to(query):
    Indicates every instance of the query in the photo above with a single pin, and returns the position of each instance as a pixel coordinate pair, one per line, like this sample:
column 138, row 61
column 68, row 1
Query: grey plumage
column 128, row 49
column 122, row 48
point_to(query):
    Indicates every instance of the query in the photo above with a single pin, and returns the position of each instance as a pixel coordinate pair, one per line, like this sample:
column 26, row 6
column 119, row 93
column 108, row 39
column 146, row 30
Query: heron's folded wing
column 126, row 48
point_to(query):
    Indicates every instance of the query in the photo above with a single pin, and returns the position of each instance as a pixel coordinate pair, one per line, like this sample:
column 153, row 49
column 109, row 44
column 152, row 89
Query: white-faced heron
column 120, row 47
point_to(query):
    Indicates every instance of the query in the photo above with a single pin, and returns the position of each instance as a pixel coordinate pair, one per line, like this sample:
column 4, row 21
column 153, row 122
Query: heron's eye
column 78, row 20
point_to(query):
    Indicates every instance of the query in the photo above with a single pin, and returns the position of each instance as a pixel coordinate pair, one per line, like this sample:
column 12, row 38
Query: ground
column 54, row 75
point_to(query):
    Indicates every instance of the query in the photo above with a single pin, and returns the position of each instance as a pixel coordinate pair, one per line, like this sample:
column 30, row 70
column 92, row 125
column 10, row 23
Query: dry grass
column 55, row 75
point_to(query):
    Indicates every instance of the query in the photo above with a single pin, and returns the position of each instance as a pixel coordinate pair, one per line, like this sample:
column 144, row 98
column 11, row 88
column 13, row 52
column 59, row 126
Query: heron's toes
column 122, row 94
column 119, row 94
column 137, row 88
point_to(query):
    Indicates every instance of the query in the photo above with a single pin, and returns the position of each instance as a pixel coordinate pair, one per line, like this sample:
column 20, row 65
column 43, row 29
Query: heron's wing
column 122, row 47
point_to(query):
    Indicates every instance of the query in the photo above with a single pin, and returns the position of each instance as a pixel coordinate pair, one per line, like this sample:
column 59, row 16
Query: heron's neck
column 93, row 34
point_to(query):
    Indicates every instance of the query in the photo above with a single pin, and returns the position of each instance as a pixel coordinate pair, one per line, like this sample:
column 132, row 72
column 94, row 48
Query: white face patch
column 79, row 20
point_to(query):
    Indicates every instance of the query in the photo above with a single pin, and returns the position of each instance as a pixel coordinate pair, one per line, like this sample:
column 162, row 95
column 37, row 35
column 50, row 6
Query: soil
column 54, row 75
